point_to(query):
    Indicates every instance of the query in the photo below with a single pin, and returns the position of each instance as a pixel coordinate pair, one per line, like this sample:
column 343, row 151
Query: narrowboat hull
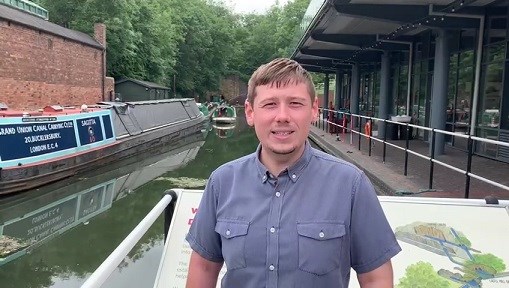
column 147, row 125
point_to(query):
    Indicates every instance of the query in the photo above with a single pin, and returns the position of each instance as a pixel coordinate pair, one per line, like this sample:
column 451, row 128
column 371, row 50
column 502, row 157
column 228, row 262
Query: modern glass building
column 442, row 62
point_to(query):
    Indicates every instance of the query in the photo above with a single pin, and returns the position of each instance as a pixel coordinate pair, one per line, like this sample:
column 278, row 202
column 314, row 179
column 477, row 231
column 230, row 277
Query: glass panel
column 468, row 39
column 364, row 94
column 421, row 113
column 424, row 66
column 402, row 91
column 495, row 52
column 451, row 94
column 376, row 98
column 415, row 97
column 498, row 28
column 395, row 92
column 418, row 52
column 492, row 93
column 464, row 90
column 416, row 68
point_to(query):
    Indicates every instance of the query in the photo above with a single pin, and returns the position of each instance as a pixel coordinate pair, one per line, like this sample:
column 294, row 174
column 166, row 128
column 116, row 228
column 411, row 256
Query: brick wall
column 232, row 87
column 38, row 69
column 109, row 89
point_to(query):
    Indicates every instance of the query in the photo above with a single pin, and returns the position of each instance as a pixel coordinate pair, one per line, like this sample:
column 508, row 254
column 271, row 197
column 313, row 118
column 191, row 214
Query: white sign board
column 177, row 252
column 458, row 242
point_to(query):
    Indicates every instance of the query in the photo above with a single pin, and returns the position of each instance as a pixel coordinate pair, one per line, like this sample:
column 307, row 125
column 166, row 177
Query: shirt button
column 321, row 234
column 271, row 268
column 228, row 232
column 272, row 229
column 278, row 194
column 294, row 176
column 264, row 178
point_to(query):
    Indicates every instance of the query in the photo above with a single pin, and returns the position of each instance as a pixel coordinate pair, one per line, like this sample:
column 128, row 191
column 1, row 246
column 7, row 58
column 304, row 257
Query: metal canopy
column 357, row 31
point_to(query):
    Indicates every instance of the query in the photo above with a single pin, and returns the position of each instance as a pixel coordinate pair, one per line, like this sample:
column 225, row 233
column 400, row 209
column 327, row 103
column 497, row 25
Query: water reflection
column 224, row 130
column 32, row 218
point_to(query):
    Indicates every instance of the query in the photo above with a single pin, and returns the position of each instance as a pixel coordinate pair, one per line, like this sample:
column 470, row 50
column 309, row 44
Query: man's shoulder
column 334, row 161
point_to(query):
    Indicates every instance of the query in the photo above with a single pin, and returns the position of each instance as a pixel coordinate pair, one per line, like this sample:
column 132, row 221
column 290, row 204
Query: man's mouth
column 282, row 133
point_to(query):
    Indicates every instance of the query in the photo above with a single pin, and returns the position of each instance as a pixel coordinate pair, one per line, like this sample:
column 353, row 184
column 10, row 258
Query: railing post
column 469, row 165
column 432, row 157
column 337, row 123
column 325, row 119
column 360, row 131
column 321, row 121
column 406, row 148
column 369, row 134
column 168, row 211
column 385, row 141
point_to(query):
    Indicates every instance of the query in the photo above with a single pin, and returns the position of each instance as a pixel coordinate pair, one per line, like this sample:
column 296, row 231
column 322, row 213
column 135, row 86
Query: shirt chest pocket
column 233, row 240
column 320, row 246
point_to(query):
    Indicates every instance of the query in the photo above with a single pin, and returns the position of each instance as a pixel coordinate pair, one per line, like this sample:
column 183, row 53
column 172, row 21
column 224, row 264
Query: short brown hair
column 279, row 73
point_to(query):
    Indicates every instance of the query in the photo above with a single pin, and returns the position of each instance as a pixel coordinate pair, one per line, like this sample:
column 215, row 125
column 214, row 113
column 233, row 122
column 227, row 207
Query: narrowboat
column 43, row 146
column 224, row 114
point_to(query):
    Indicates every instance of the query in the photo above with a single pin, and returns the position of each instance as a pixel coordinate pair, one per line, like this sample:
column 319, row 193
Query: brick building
column 42, row 63
column 232, row 87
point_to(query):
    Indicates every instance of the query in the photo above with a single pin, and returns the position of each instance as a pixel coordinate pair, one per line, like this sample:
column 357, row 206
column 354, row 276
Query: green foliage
column 190, row 45
column 422, row 275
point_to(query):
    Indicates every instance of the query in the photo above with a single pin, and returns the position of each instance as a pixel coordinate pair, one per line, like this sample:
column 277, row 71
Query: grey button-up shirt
column 303, row 228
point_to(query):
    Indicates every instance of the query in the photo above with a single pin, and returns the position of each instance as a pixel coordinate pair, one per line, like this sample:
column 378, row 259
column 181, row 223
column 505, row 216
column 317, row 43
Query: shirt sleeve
column 373, row 242
column 202, row 236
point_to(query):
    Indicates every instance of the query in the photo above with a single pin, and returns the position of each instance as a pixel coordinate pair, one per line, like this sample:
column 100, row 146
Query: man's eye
column 269, row 104
column 296, row 103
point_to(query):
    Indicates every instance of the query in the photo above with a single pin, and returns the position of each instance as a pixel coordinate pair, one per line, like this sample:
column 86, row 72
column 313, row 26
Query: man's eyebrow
column 273, row 98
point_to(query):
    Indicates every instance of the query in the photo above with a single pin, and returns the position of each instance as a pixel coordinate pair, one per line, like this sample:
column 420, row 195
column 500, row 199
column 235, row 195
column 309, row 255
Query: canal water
column 56, row 236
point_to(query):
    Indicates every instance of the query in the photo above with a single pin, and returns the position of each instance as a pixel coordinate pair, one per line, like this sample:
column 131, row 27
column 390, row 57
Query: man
column 288, row 215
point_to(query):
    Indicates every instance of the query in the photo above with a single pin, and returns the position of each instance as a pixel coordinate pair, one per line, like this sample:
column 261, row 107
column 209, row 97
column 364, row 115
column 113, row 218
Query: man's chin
column 282, row 151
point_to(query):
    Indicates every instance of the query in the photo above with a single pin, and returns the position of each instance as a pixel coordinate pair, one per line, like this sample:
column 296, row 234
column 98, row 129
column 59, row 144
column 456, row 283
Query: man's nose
column 282, row 113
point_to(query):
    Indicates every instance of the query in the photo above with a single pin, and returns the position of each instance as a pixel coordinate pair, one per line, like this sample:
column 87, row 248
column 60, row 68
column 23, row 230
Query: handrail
column 476, row 138
column 103, row 272
column 324, row 120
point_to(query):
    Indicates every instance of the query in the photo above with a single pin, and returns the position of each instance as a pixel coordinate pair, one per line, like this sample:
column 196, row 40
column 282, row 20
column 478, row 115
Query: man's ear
column 315, row 110
column 248, row 108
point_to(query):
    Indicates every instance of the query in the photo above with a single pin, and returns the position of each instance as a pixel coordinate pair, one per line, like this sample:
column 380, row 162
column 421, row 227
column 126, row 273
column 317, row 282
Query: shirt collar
column 294, row 172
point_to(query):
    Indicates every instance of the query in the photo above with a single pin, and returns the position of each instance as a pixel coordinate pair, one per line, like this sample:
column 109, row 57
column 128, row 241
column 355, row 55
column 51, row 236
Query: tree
column 190, row 45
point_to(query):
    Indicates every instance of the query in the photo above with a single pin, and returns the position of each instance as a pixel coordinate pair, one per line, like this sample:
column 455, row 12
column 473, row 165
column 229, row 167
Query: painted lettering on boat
column 44, row 137
column 40, row 128
column 7, row 131
column 88, row 122
column 24, row 129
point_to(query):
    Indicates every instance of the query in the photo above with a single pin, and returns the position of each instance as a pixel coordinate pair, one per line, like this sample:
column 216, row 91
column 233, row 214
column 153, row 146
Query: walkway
column 389, row 179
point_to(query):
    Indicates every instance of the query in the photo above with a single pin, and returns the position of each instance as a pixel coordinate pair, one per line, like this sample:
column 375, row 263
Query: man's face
column 282, row 118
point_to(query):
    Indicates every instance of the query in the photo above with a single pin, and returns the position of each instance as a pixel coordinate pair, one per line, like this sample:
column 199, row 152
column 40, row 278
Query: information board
column 175, row 260
column 446, row 242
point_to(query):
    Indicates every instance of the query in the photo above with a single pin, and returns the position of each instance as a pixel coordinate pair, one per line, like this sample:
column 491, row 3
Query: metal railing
column 103, row 272
column 344, row 122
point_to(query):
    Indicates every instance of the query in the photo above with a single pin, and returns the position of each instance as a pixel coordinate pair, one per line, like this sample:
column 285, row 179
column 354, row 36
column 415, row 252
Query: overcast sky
column 247, row 6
